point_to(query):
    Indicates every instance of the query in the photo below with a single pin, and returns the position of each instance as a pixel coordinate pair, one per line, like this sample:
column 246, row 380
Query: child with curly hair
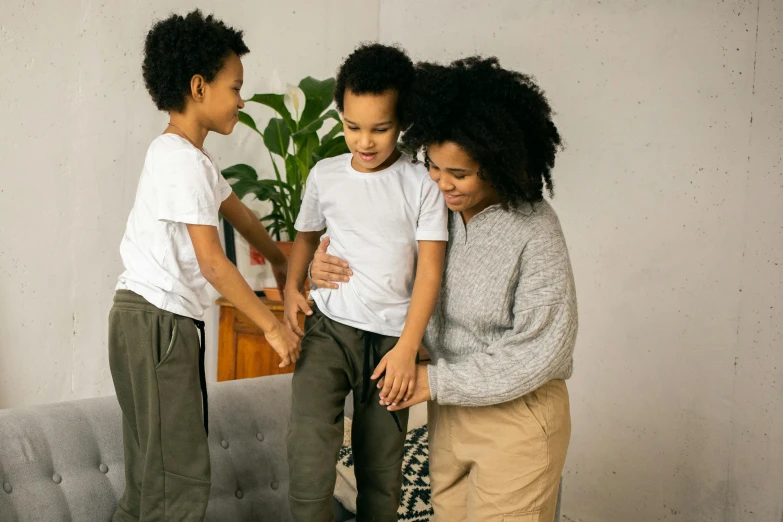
column 170, row 250
column 384, row 215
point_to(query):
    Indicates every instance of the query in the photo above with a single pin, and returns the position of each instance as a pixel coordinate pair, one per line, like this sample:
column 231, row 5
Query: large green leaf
column 317, row 123
column 267, row 194
column 331, row 148
column 277, row 137
column 291, row 171
column 274, row 184
column 337, row 129
column 277, row 103
column 304, row 171
column 305, row 154
column 244, row 187
column 271, row 189
column 319, row 97
column 240, row 171
column 246, row 119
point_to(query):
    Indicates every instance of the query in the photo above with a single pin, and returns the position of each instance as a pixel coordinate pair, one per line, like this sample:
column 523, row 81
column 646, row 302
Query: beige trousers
column 500, row 462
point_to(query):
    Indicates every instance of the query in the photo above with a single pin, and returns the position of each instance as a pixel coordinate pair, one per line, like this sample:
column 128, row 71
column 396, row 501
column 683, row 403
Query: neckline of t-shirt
column 185, row 140
column 371, row 175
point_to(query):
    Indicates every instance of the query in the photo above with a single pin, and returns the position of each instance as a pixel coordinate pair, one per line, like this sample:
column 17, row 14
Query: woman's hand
column 327, row 270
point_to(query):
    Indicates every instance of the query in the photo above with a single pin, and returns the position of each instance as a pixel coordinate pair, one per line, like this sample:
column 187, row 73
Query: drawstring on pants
column 202, row 375
column 371, row 360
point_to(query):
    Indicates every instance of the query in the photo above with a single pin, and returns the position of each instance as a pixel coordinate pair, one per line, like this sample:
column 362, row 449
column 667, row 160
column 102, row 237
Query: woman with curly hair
column 502, row 335
column 192, row 70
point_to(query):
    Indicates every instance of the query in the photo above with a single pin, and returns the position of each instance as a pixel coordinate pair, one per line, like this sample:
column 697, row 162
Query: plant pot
column 274, row 294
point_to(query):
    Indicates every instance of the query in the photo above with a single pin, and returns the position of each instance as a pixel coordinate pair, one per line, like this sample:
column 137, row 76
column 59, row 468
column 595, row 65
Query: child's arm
column 249, row 226
column 301, row 254
column 399, row 364
column 227, row 280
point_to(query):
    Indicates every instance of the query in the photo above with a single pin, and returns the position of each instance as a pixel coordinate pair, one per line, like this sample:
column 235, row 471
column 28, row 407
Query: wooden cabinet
column 243, row 351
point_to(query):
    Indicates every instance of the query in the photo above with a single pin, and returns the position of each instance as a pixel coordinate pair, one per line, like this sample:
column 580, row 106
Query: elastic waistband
column 129, row 299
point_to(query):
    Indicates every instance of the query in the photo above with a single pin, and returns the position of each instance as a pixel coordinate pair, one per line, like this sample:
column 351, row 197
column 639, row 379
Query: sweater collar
column 523, row 207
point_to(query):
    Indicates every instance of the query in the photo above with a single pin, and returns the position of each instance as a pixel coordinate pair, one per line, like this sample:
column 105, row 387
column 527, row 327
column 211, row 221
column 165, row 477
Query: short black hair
column 178, row 48
column 501, row 118
column 374, row 69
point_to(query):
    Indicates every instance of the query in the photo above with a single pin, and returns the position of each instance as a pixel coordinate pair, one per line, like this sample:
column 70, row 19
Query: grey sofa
column 64, row 462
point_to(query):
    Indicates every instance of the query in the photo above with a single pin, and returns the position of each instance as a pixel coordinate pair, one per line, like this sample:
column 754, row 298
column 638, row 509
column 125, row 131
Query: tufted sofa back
column 63, row 462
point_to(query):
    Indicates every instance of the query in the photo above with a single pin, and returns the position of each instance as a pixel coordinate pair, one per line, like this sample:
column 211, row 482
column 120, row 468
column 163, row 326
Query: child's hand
column 399, row 366
column 293, row 303
column 285, row 343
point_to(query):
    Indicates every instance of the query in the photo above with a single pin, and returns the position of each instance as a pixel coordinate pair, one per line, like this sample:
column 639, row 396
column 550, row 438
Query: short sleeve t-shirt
column 374, row 221
column 179, row 185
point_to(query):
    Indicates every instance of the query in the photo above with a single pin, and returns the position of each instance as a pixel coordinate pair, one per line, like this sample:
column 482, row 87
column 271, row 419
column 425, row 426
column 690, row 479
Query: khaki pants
column 501, row 462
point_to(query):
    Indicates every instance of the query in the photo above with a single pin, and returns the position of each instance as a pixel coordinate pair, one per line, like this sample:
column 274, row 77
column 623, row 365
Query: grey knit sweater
column 506, row 318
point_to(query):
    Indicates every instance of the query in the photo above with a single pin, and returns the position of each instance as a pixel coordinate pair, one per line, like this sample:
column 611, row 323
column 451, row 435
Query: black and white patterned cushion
column 415, row 504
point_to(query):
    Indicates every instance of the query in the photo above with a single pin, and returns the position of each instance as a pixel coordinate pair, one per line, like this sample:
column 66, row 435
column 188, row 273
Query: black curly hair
column 178, row 48
column 501, row 119
column 374, row 69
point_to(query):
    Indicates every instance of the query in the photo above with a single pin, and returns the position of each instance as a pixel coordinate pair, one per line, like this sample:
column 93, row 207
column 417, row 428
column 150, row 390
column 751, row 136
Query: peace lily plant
column 293, row 143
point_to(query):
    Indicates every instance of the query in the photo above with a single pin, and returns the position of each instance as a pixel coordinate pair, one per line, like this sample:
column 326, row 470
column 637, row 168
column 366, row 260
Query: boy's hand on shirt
column 294, row 302
column 398, row 368
column 285, row 343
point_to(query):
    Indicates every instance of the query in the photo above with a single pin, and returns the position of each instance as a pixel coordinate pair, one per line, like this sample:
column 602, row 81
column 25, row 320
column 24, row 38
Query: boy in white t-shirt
column 170, row 250
column 386, row 217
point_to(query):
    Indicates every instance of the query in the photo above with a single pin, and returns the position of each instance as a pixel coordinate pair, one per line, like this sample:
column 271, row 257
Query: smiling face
column 457, row 176
column 222, row 99
column 371, row 129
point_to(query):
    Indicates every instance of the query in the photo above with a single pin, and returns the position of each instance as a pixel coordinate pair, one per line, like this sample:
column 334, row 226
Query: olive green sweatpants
column 154, row 360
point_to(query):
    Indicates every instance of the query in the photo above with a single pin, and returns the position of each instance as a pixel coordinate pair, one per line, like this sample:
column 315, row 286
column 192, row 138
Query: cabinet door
column 252, row 354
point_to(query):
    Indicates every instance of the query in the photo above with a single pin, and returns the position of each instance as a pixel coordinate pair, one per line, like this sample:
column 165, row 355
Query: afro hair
column 180, row 47
column 374, row 69
column 501, row 119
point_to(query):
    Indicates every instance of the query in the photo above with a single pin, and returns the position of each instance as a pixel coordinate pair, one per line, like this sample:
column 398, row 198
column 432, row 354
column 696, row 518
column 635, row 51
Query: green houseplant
column 294, row 145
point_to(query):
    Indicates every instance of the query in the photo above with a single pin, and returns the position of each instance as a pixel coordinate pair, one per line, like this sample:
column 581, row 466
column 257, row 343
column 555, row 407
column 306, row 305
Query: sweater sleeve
column 537, row 348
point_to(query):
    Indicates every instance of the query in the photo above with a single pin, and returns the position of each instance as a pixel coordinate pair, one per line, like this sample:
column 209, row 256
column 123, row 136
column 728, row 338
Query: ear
column 198, row 87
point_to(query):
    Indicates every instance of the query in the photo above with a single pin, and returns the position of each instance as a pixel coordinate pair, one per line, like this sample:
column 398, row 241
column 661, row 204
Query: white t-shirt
column 179, row 185
column 374, row 221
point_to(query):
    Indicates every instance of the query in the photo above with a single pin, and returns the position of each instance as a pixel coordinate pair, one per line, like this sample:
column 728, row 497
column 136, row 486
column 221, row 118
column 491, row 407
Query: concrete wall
column 670, row 192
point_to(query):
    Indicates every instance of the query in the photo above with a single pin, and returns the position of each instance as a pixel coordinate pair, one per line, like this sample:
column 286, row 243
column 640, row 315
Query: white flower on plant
column 294, row 101
column 293, row 96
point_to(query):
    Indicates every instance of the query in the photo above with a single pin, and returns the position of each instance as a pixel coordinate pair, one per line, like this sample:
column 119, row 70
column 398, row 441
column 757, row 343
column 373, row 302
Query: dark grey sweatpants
column 331, row 365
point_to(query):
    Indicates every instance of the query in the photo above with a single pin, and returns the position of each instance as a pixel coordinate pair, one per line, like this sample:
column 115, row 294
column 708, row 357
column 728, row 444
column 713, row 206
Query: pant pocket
column 162, row 356
column 535, row 411
column 185, row 498
column 530, row 516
